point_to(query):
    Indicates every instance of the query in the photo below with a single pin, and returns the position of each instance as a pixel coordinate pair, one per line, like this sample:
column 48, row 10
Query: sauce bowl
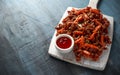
column 64, row 43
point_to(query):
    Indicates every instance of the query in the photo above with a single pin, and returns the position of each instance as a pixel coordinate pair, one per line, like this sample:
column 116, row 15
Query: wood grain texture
column 27, row 27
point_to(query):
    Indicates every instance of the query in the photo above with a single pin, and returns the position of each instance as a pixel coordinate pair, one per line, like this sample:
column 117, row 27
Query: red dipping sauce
column 64, row 42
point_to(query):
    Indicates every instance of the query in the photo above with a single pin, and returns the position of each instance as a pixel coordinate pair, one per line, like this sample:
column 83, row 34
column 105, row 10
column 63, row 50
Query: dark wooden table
column 26, row 29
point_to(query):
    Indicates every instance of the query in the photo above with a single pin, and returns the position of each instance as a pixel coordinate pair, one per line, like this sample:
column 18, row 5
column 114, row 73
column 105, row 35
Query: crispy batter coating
column 89, row 29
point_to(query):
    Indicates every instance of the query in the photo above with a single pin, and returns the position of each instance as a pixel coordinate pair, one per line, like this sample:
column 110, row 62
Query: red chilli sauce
column 64, row 42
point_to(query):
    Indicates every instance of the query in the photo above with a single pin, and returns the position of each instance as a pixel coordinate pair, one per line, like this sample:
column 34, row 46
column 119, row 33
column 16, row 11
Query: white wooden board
column 98, row 65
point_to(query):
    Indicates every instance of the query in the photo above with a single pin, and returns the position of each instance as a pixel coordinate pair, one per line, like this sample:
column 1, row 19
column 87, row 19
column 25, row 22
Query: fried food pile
column 89, row 29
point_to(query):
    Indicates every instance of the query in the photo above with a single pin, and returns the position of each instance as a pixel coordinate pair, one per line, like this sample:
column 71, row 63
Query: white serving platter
column 97, row 65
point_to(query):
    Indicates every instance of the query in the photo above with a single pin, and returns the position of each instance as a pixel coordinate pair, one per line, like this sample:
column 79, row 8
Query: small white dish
column 64, row 40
